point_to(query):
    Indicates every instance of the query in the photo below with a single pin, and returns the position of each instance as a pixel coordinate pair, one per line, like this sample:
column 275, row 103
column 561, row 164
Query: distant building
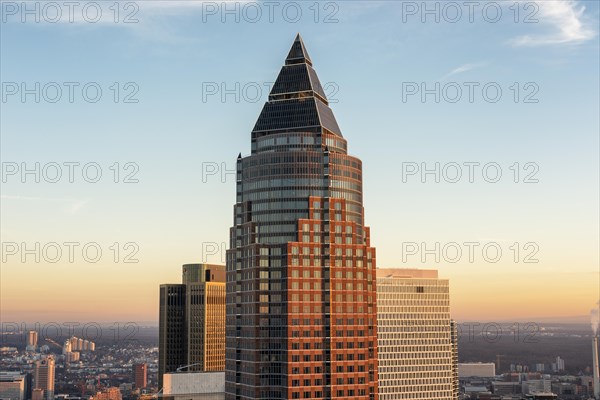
column 43, row 377
column 140, row 372
column 111, row 393
column 78, row 344
column 192, row 321
column 7, row 349
column 559, row 365
column 540, row 367
column 12, row 386
column 541, row 396
column 72, row 356
column 504, row 388
column 193, row 386
column 32, row 340
column 37, row 394
column 476, row 370
column 537, row 386
column 415, row 336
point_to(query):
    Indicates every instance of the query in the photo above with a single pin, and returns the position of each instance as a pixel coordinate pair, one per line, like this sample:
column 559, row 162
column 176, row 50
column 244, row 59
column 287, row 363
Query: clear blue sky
column 369, row 53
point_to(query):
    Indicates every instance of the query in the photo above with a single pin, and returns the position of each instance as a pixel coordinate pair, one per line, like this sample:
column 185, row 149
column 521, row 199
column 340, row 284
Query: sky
column 477, row 127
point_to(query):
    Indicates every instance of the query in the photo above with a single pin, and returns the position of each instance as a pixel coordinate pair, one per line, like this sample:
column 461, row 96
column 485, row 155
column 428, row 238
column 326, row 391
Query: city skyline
column 161, row 212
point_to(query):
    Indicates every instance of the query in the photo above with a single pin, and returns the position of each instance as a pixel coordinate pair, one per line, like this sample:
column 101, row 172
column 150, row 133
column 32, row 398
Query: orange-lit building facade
column 140, row 374
column 301, row 296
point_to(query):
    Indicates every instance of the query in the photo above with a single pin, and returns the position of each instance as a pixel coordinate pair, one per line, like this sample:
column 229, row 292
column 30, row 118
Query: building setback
column 301, row 311
column 192, row 321
column 417, row 339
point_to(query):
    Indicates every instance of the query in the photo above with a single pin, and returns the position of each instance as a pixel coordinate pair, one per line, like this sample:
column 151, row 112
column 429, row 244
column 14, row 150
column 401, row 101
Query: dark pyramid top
column 298, row 53
column 297, row 100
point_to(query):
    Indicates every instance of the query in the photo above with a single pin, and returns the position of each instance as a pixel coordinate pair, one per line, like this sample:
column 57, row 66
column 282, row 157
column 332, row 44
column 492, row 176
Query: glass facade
column 300, row 302
column 192, row 321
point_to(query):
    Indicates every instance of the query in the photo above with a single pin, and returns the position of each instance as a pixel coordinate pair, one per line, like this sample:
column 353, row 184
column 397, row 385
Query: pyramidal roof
column 297, row 100
column 298, row 53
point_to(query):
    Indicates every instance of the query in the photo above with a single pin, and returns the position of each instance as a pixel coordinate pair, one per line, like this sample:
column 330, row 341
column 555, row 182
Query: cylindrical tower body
column 301, row 311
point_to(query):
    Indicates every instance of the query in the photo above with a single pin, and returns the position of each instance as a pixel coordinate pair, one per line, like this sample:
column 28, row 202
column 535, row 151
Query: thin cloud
column 464, row 68
column 568, row 21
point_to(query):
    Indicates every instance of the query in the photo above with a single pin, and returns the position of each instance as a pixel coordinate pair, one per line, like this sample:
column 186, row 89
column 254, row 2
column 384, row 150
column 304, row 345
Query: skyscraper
column 417, row 340
column 192, row 321
column 32, row 339
column 43, row 377
column 172, row 337
column 301, row 311
column 205, row 316
column 140, row 372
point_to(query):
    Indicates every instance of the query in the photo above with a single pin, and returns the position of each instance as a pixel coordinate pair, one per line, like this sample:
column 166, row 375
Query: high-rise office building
column 140, row 374
column 301, row 307
column 172, row 333
column 43, row 377
column 12, row 386
column 559, row 365
column 192, row 321
column 205, row 316
column 32, row 340
column 416, row 345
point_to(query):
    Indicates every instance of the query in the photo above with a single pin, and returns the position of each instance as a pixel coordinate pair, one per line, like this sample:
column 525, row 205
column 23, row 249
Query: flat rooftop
column 406, row 273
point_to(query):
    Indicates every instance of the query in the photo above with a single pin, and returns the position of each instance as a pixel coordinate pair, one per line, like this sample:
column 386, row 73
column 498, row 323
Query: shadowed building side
column 192, row 321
